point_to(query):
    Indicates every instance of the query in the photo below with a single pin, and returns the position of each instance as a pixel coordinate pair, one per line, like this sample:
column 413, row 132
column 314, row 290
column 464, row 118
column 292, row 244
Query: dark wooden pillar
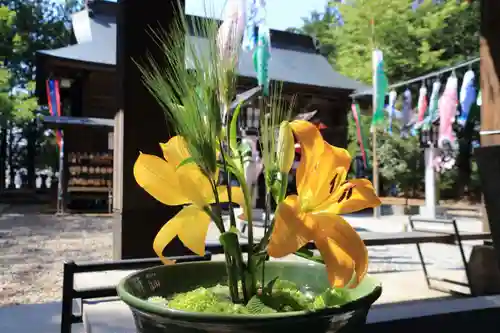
column 140, row 126
column 488, row 156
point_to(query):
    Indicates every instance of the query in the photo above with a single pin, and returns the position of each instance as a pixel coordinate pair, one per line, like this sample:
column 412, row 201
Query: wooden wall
column 98, row 99
column 99, row 95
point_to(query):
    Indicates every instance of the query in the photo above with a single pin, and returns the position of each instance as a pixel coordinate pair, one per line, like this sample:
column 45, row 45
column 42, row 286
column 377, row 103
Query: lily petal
column 191, row 225
column 339, row 268
column 357, row 195
column 195, row 185
column 175, row 150
column 159, row 179
column 341, row 247
column 194, row 182
column 311, row 145
column 341, row 157
column 321, row 164
column 194, row 233
column 291, row 229
column 324, row 182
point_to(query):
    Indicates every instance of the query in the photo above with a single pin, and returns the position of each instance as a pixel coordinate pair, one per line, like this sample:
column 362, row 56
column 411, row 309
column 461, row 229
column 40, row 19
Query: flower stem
column 217, row 218
column 232, row 219
column 232, row 276
column 267, row 233
column 267, row 220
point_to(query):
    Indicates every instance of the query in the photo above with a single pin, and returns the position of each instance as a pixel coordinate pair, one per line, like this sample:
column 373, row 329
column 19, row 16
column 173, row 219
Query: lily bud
column 286, row 147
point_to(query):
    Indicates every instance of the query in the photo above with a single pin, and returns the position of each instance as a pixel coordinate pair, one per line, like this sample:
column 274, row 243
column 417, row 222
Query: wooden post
column 488, row 156
column 140, row 126
column 490, row 70
column 376, row 210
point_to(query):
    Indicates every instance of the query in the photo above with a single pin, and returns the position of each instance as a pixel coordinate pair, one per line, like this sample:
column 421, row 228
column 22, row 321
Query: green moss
column 284, row 297
column 211, row 300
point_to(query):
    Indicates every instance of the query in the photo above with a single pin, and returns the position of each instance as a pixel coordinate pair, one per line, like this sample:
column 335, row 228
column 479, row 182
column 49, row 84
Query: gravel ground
column 33, row 247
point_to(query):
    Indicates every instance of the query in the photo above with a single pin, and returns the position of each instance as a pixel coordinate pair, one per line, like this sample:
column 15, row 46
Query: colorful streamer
column 393, row 95
column 54, row 102
column 433, row 106
column 261, row 58
column 422, row 105
column 255, row 17
column 335, row 12
column 468, row 95
column 415, row 4
column 257, row 38
column 447, row 112
column 359, row 133
column 406, row 113
column 381, row 85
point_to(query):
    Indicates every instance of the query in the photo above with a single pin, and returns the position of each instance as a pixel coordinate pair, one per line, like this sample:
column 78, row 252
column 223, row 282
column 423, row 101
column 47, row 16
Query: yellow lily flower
column 313, row 214
column 174, row 185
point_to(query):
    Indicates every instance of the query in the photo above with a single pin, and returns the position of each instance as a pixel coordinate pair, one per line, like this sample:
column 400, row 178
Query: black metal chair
column 70, row 294
column 458, row 242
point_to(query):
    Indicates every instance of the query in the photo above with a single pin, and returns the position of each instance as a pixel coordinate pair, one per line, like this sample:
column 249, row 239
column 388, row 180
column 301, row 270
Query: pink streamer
column 422, row 103
column 447, row 112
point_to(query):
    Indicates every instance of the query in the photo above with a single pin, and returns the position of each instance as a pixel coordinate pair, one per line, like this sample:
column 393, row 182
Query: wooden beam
column 140, row 127
column 488, row 155
column 490, row 71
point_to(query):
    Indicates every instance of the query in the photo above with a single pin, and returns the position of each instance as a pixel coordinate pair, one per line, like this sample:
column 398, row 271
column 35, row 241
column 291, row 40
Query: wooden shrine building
column 88, row 89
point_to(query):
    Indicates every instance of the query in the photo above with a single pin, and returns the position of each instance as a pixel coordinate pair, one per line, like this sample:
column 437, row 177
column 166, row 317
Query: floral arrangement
column 201, row 104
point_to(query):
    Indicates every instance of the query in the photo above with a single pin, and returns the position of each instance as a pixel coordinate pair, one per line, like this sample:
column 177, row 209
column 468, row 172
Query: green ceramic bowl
column 168, row 280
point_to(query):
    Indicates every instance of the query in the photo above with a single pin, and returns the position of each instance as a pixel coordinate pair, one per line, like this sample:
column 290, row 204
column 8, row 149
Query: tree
column 413, row 42
column 400, row 160
column 26, row 27
column 318, row 25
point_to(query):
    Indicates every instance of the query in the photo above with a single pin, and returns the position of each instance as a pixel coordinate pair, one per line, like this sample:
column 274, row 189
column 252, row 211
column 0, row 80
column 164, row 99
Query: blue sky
column 281, row 14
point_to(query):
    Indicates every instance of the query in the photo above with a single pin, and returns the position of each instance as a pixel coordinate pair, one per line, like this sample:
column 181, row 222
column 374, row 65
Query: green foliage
column 285, row 296
column 318, row 25
column 413, row 43
column 206, row 300
column 26, row 27
column 401, row 161
column 196, row 114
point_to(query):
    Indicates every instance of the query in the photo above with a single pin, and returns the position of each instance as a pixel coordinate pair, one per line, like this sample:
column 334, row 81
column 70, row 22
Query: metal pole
column 60, row 189
column 430, row 183
column 376, row 210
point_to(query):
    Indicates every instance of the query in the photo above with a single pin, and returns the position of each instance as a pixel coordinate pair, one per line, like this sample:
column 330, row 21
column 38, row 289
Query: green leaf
column 333, row 297
column 257, row 306
column 268, row 288
column 306, row 252
column 234, row 129
column 285, row 285
column 229, row 241
column 186, row 161
column 309, row 255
